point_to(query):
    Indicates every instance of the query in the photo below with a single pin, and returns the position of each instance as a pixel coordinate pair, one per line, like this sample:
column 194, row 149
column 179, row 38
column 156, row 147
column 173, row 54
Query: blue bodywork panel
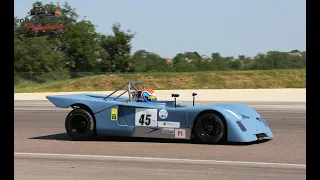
column 120, row 117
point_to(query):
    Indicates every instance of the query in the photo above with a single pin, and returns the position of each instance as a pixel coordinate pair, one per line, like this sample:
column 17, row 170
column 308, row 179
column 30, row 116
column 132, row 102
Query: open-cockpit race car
column 141, row 114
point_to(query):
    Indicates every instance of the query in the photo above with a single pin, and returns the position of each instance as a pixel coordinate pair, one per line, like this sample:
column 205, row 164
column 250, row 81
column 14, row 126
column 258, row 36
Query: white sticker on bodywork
column 168, row 130
column 146, row 117
column 169, row 124
column 163, row 114
column 180, row 133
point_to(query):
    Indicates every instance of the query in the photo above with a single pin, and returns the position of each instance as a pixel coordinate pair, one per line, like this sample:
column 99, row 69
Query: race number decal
column 146, row 117
column 114, row 114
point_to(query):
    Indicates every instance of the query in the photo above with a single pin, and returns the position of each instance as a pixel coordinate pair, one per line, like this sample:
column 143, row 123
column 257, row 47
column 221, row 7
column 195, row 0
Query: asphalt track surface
column 44, row 151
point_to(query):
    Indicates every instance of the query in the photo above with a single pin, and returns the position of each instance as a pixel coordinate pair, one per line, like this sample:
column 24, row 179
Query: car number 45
column 146, row 117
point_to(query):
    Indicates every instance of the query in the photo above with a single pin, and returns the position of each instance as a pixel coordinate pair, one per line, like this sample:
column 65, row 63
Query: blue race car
column 140, row 114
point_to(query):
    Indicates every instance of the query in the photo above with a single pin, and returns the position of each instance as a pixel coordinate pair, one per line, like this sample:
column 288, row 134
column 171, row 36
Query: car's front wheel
column 80, row 125
column 210, row 128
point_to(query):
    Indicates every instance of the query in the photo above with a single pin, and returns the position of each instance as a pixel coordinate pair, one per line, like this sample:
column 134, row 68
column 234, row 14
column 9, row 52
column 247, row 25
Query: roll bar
column 130, row 85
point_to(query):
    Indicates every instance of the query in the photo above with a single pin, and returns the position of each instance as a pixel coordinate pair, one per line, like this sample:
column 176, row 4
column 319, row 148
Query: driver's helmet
column 147, row 95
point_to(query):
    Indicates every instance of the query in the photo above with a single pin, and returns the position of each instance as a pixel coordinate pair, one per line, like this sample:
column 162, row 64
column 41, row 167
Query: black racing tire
column 80, row 125
column 210, row 128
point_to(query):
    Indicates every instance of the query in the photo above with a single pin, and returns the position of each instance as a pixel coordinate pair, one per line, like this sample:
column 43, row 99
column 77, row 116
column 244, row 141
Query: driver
column 147, row 95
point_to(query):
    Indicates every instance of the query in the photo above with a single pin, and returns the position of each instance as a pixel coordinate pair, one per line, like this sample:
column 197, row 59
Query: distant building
column 205, row 57
column 295, row 54
column 169, row 60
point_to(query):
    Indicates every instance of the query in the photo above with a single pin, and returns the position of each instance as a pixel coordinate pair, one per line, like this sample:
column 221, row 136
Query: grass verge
column 192, row 80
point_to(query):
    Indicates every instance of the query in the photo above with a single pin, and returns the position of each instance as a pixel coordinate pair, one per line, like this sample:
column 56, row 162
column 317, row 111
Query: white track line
column 161, row 159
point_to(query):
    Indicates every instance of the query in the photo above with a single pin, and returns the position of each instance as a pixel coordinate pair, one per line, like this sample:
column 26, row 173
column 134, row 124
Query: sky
column 168, row 27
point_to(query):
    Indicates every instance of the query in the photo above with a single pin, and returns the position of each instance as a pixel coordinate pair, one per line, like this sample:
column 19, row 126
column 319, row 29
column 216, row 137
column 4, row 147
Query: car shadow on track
column 65, row 137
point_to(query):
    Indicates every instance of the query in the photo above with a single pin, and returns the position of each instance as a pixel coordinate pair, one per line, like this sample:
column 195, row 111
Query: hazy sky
column 167, row 27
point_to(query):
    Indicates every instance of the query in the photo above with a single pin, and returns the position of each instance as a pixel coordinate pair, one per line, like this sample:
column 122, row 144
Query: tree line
column 77, row 51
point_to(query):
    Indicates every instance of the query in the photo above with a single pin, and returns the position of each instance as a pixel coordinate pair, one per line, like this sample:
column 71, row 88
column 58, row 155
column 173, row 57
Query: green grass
column 192, row 80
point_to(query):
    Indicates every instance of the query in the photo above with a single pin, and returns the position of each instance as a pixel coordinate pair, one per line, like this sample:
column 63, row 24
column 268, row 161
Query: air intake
column 262, row 120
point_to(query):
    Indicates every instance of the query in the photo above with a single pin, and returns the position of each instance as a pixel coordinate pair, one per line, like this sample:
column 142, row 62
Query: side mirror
column 175, row 95
column 175, row 99
column 193, row 95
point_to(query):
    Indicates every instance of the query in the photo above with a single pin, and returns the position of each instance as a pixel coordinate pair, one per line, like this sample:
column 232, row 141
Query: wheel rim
column 208, row 128
column 79, row 124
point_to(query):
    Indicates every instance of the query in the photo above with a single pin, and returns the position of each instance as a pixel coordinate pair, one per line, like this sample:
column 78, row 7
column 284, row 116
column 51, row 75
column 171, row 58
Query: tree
column 118, row 47
column 82, row 47
column 192, row 55
column 215, row 55
column 247, row 63
column 79, row 43
column 34, row 57
column 295, row 51
column 149, row 62
column 236, row 64
column 184, row 66
column 241, row 57
column 178, row 58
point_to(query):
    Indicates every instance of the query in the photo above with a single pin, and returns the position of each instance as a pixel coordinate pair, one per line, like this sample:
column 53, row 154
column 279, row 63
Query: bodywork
column 119, row 116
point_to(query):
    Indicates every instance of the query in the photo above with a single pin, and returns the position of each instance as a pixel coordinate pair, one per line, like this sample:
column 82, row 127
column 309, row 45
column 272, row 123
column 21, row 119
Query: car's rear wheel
column 80, row 125
column 210, row 128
